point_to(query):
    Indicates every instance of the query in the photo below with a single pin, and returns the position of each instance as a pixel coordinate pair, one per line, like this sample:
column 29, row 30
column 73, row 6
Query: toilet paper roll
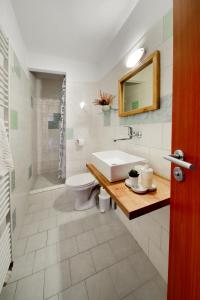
column 80, row 142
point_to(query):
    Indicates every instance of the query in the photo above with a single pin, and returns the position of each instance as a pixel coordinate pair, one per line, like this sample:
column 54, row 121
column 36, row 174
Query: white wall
column 152, row 230
column 143, row 17
column 9, row 24
column 80, row 124
column 75, row 70
column 20, row 138
column 20, row 104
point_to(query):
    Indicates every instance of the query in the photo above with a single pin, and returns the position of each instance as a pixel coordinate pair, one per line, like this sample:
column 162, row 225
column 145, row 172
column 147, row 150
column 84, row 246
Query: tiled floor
column 47, row 180
column 64, row 254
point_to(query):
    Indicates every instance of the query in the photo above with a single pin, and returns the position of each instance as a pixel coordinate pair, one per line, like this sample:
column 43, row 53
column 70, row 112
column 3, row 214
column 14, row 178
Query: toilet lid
column 84, row 179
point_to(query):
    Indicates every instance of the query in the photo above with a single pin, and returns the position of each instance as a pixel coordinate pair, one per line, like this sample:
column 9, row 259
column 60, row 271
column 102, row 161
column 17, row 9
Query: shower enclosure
column 48, row 123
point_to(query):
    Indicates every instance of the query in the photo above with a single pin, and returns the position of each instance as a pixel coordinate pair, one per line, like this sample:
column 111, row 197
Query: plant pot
column 105, row 108
column 134, row 181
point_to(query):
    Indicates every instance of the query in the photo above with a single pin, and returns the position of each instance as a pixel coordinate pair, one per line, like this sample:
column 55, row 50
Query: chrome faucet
column 131, row 134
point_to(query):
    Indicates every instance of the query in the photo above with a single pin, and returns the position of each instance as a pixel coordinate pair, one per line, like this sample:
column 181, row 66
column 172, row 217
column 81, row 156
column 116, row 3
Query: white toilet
column 86, row 189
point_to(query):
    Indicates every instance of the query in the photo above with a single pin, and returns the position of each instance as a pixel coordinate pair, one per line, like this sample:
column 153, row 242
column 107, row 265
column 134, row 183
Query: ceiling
column 76, row 29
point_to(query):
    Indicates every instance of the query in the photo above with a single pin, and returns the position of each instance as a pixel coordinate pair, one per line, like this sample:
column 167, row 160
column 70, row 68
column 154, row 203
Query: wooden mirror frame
column 155, row 59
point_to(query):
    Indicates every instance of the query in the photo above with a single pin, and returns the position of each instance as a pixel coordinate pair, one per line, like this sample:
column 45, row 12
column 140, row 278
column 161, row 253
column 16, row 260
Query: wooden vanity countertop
column 132, row 204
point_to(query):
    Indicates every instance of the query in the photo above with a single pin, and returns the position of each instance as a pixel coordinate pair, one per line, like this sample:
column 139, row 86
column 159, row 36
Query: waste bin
column 104, row 200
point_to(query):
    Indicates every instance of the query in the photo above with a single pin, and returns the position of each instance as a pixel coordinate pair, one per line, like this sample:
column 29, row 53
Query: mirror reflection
column 138, row 90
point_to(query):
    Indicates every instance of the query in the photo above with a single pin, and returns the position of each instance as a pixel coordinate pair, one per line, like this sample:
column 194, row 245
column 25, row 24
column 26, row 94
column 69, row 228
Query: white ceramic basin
column 115, row 165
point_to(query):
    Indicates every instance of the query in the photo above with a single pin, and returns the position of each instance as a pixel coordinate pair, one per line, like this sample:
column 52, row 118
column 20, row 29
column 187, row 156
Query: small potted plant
column 104, row 101
column 133, row 177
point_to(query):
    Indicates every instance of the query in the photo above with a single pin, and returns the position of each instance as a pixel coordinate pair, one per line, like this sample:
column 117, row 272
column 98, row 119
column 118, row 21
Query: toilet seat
column 83, row 180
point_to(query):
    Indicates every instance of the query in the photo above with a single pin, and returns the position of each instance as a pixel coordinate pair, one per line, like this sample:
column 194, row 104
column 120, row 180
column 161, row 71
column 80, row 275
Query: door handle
column 178, row 159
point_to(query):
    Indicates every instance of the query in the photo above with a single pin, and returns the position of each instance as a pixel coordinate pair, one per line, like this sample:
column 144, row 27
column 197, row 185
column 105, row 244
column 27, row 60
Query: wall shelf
column 134, row 205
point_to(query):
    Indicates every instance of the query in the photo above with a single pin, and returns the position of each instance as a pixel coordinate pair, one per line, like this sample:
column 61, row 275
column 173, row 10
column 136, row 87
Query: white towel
column 6, row 160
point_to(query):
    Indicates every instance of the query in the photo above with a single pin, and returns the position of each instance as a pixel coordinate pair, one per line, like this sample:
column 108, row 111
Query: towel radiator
column 5, row 215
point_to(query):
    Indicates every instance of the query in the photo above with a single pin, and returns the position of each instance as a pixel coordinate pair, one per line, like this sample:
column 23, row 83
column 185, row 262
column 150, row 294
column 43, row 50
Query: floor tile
column 118, row 228
column 73, row 228
column 28, row 219
column 55, row 235
column 35, row 207
column 20, row 247
column 53, row 212
column 67, row 248
column 41, row 215
column 98, row 219
column 57, row 279
column 100, row 287
column 91, row 222
column 47, row 224
column 86, row 241
column 45, row 257
column 124, row 278
column 29, row 229
column 36, row 241
column 104, row 233
column 142, row 266
column 149, row 291
column 102, row 256
column 63, row 218
column 8, row 292
column 81, row 267
column 31, row 287
column 131, row 297
column 22, row 267
column 76, row 292
column 48, row 202
column 53, row 298
column 124, row 246
column 161, row 284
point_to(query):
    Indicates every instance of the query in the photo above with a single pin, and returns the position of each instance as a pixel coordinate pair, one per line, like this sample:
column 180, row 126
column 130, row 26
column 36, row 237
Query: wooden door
column 184, row 255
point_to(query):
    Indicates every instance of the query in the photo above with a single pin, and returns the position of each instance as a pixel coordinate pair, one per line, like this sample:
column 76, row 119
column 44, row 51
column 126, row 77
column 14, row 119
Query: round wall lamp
column 135, row 57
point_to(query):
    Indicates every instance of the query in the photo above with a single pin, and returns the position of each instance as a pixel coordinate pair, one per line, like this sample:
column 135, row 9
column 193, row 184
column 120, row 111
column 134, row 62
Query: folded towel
column 6, row 160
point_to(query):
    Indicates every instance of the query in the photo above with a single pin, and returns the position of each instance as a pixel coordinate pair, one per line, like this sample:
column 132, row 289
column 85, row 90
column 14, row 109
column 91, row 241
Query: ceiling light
column 135, row 57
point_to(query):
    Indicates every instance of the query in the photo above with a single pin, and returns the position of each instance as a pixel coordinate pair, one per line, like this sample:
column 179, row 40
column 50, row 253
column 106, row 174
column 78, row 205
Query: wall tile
column 158, row 163
column 166, row 136
column 168, row 25
column 107, row 118
column 159, row 260
column 14, row 119
column 150, row 228
column 69, row 133
column 165, row 241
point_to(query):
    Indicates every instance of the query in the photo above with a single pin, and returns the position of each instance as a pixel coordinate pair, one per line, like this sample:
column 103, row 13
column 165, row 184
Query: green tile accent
column 107, row 119
column 17, row 67
column 168, row 25
column 53, row 125
column 14, row 119
column 134, row 104
column 162, row 115
column 69, row 133
column 56, row 117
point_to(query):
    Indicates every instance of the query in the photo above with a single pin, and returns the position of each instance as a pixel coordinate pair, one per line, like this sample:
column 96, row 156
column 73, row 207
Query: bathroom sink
column 115, row 165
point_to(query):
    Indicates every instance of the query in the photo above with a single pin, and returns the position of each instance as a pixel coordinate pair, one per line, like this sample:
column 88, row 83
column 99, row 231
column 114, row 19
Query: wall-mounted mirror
column 139, row 90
